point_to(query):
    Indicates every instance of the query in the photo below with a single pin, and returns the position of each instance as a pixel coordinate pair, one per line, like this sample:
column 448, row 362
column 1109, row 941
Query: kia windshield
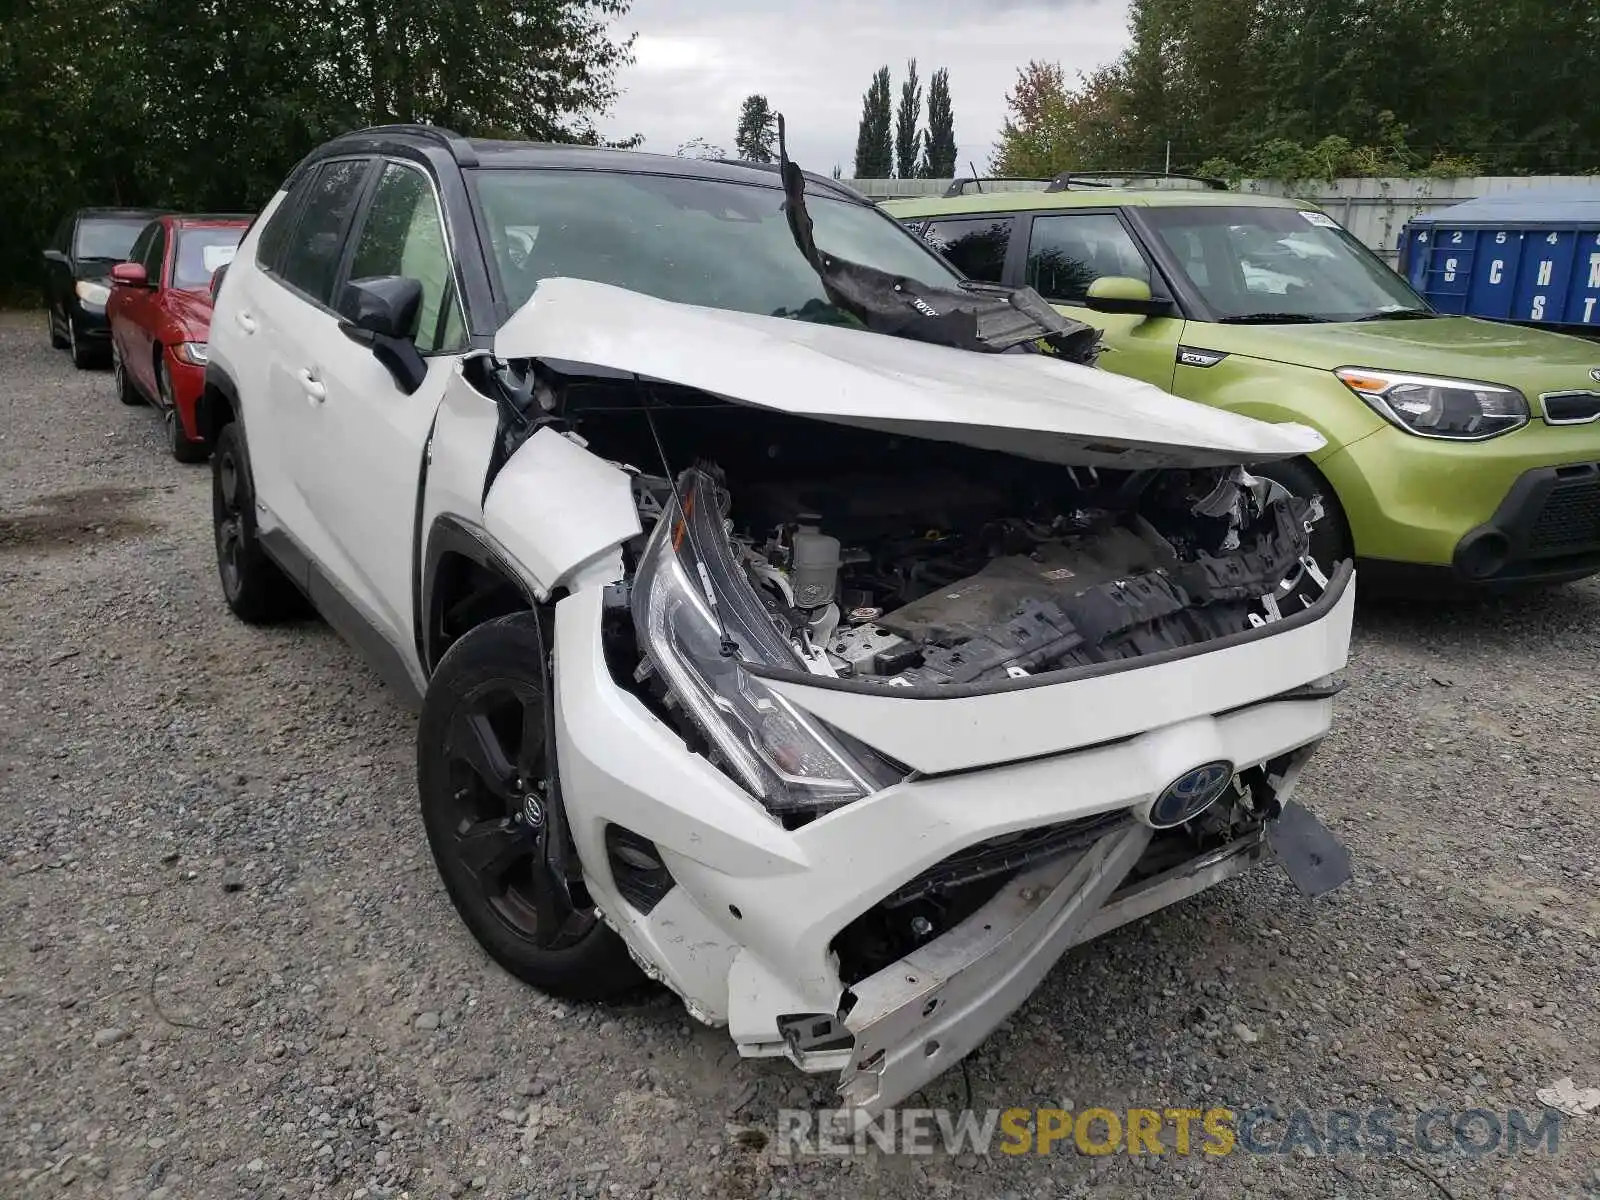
column 696, row 241
column 1281, row 266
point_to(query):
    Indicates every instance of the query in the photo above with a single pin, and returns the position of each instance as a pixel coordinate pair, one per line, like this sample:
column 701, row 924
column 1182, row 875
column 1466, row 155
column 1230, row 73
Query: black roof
column 492, row 154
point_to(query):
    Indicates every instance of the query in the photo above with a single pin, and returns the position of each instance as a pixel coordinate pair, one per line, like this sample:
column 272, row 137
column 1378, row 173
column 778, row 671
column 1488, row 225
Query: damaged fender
column 562, row 512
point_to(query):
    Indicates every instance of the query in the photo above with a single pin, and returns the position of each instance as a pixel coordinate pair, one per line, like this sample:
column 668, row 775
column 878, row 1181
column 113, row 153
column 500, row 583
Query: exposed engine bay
column 924, row 579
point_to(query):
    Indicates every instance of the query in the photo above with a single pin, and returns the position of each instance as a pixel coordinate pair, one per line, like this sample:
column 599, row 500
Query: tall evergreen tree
column 939, row 155
column 875, row 135
column 757, row 137
column 907, row 137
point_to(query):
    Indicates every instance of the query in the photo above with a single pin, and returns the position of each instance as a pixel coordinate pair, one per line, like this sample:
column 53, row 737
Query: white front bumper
column 745, row 934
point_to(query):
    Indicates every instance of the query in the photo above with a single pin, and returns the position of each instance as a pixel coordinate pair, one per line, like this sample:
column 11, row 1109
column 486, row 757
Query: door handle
column 311, row 386
column 244, row 321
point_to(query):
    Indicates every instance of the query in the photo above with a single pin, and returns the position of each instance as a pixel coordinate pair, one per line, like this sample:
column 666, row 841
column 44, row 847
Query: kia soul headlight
column 700, row 622
column 1439, row 408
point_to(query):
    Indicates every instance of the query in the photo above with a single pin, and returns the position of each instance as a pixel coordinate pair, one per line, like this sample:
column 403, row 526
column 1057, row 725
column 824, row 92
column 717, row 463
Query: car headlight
column 700, row 621
column 193, row 352
column 1439, row 408
column 92, row 293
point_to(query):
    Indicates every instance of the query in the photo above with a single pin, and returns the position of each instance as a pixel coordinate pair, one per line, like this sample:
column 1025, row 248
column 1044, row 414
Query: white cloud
column 696, row 64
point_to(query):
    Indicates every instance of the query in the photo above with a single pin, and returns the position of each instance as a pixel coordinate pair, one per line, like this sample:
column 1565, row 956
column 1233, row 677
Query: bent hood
column 1031, row 405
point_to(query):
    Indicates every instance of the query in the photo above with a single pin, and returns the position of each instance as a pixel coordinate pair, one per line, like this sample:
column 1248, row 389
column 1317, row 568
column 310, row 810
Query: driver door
column 1067, row 251
column 361, row 460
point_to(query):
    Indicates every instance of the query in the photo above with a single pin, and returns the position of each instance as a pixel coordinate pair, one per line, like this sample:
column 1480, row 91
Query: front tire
column 484, row 770
column 257, row 591
column 120, row 383
column 184, row 450
column 1330, row 537
column 83, row 355
column 57, row 341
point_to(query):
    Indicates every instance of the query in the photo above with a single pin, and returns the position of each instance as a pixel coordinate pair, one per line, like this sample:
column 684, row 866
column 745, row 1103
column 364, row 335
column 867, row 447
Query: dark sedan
column 77, row 264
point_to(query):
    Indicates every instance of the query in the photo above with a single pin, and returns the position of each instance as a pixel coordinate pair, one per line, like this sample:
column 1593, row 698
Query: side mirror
column 1124, row 294
column 130, row 274
column 216, row 281
column 55, row 256
column 382, row 314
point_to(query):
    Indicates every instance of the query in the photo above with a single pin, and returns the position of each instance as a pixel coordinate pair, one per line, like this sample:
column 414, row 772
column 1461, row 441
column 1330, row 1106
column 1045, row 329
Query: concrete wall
column 1375, row 210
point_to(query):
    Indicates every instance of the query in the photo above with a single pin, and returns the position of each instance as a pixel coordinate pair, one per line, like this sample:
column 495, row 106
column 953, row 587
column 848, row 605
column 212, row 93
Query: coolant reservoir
column 814, row 574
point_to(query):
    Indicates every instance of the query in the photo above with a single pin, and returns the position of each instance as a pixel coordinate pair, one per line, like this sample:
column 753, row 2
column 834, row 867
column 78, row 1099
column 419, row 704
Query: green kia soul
column 1454, row 445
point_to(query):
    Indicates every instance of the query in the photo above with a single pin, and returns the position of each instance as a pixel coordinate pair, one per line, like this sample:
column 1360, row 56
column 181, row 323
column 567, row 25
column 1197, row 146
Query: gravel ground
column 227, row 967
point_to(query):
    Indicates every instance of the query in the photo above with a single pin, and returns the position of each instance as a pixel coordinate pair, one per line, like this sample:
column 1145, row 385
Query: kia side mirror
column 55, row 256
column 130, row 274
column 1124, row 294
column 381, row 313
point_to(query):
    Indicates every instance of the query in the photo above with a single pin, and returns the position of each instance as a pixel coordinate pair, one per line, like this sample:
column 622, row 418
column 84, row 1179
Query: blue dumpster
column 1532, row 257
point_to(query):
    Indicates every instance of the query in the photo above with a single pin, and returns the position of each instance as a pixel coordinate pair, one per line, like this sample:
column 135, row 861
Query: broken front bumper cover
column 921, row 1015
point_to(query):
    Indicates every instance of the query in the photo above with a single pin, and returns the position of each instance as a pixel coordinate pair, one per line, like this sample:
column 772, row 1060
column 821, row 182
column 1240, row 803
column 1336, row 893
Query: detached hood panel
column 1030, row 405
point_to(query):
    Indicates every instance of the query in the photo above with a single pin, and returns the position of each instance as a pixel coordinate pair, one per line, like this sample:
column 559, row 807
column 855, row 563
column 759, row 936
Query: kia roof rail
column 1064, row 181
column 958, row 187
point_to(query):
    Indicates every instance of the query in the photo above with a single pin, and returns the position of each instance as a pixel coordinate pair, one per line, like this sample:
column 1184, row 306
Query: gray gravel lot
column 227, row 967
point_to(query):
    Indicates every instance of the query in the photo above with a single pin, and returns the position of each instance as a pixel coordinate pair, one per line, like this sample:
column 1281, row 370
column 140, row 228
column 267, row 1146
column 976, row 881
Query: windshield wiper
column 1273, row 319
column 1400, row 314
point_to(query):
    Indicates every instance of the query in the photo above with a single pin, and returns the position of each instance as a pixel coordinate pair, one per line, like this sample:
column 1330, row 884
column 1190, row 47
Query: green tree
column 207, row 104
column 875, row 135
column 939, row 147
column 907, row 137
column 757, row 137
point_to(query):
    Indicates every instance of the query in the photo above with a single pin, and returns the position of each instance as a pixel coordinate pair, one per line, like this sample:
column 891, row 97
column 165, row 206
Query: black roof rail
column 958, row 187
column 452, row 141
column 1064, row 181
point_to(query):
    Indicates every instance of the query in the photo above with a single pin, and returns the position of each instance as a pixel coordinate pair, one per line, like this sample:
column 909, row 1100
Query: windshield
column 696, row 241
column 1277, row 264
column 108, row 237
column 201, row 251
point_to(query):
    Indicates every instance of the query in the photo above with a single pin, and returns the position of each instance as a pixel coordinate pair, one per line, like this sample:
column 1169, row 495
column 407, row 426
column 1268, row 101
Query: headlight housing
column 1455, row 409
column 699, row 621
column 90, row 292
column 193, row 352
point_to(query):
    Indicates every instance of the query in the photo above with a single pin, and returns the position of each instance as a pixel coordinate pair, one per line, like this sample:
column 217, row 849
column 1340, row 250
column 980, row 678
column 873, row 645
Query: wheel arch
column 465, row 582
column 218, row 405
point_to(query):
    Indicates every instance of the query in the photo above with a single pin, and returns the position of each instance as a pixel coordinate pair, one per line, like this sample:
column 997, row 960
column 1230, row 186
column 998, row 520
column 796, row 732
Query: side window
column 269, row 246
column 1069, row 251
column 311, row 254
column 402, row 235
column 155, row 252
column 975, row 245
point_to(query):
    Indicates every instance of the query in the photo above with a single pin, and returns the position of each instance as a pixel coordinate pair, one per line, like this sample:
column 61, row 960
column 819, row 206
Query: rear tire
column 184, row 450
column 483, row 763
column 1330, row 537
column 256, row 589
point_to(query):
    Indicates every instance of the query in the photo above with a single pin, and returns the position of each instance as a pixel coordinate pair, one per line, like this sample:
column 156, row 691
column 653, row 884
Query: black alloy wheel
column 487, row 782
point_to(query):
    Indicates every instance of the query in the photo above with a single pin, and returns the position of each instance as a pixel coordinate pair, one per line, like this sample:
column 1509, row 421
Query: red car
column 160, row 316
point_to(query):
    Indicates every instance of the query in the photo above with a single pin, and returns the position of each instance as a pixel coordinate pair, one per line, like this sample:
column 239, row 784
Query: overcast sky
column 696, row 62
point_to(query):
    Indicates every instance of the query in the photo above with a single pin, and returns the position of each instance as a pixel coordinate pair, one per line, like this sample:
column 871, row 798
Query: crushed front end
column 860, row 733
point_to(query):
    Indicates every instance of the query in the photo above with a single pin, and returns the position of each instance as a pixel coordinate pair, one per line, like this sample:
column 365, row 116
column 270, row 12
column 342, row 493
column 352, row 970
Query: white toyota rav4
column 792, row 621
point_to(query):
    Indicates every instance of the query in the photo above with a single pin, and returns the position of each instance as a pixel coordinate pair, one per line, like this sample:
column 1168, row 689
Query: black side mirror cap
column 386, row 304
column 381, row 314
column 55, row 256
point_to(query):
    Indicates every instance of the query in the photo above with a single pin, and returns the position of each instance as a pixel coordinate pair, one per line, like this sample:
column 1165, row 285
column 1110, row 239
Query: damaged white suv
column 793, row 622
